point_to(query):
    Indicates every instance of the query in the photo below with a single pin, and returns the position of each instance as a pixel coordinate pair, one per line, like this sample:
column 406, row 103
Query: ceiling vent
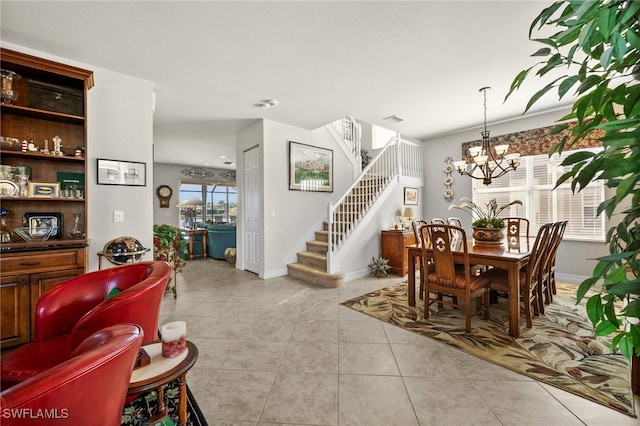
column 394, row 118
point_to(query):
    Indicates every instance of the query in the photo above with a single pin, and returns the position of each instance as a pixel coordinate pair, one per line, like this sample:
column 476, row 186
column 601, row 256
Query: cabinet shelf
column 29, row 268
column 40, row 156
column 41, row 114
column 45, row 199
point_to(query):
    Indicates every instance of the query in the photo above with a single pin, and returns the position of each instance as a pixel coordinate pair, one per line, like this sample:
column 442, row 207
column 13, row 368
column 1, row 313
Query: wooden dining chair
column 439, row 221
column 530, row 289
column 417, row 227
column 548, row 265
column 517, row 227
column 446, row 279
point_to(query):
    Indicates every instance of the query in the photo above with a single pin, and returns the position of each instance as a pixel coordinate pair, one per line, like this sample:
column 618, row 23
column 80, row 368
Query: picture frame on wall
column 410, row 196
column 310, row 168
column 117, row 172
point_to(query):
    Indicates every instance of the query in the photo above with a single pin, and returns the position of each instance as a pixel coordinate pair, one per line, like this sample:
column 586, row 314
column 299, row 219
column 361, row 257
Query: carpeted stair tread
column 313, row 259
column 315, row 275
column 318, row 247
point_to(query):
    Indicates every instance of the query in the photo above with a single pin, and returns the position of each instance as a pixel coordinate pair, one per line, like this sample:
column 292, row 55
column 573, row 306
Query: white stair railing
column 351, row 133
column 397, row 158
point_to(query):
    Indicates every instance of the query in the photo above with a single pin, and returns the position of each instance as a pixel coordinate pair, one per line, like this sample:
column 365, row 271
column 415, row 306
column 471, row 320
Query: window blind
column 533, row 183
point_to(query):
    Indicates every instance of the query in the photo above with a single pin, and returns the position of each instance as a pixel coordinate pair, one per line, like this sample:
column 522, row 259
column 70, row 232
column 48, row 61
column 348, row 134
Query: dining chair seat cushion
column 29, row 360
column 476, row 281
column 500, row 278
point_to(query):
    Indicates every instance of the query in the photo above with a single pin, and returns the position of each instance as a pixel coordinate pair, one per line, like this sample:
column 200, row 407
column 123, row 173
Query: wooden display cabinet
column 394, row 247
column 29, row 268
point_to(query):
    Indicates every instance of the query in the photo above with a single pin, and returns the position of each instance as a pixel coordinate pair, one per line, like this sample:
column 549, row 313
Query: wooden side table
column 191, row 233
column 160, row 372
column 394, row 247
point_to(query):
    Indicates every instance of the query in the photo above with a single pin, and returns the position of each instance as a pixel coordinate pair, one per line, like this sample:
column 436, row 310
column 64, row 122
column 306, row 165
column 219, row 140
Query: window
column 533, row 184
column 219, row 201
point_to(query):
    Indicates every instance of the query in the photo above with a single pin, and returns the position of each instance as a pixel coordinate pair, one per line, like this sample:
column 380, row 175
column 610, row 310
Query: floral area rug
column 559, row 349
column 140, row 410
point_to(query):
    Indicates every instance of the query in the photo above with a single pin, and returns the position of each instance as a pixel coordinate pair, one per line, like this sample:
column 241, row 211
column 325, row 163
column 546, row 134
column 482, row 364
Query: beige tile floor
column 284, row 352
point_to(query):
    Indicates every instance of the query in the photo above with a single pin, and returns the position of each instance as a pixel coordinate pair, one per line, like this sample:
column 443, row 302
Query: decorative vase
column 5, row 232
column 493, row 236
column 77, row 229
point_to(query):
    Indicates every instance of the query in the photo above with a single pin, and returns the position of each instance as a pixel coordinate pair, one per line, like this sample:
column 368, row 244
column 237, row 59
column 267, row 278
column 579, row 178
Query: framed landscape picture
column 411, row 196
column 310, row 168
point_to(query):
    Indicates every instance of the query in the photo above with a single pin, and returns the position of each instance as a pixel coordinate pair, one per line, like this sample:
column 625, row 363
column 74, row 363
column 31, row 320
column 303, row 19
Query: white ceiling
column 211, row 62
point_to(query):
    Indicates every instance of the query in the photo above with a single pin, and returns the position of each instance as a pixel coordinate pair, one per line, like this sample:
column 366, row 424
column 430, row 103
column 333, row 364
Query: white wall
column 119, row 126
column 574, row 260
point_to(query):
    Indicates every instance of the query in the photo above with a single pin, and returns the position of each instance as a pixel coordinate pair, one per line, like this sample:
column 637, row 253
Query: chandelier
column 488, row 162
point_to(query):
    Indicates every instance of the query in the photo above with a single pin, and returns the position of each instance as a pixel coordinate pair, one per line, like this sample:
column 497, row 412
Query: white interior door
column 252, row 196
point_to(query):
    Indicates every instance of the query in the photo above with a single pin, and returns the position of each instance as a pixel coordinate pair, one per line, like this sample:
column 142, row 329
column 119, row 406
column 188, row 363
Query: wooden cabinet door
column 15, row 310
column 44, row 281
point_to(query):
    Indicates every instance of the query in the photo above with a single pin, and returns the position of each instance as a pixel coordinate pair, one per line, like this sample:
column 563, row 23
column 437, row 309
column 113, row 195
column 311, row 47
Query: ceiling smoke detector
column 394, row 118
column 267, row 103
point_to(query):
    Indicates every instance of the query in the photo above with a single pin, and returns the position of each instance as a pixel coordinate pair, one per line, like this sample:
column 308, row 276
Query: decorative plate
column 8, row 188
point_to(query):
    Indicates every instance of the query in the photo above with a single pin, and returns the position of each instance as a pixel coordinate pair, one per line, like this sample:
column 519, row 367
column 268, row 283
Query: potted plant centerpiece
column 487, row 226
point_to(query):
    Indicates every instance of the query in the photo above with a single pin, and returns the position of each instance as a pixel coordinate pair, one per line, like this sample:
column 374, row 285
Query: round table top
column 161, row 370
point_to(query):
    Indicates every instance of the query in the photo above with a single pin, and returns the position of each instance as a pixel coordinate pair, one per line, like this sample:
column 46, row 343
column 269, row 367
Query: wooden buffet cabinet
column 394, row 247
column 51, row 105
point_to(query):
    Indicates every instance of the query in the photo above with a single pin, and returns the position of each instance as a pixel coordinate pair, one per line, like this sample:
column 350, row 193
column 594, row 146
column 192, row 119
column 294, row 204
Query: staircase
column 317, row 264
column 312, row 263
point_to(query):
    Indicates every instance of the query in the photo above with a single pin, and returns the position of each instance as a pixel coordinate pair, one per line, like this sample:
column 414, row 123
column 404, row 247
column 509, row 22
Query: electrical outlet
column 118, row 216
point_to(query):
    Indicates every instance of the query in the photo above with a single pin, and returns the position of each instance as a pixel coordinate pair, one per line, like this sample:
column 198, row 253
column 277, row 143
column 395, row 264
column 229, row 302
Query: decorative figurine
column 46, row 147
column 57, row 141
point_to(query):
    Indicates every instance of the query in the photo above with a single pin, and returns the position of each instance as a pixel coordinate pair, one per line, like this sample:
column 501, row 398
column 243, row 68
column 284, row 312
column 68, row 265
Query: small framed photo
column 411, row 196
column 310, row 168
column 116, row 172
column 36, row 221
column 43, row 190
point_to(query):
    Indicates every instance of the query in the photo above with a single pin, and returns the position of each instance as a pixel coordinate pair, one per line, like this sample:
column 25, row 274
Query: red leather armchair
column 87, row 389
column 73, row 310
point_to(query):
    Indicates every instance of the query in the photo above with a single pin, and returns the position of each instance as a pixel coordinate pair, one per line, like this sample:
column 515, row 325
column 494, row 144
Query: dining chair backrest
column 517, row 227
column 548, row 262
column 439, row 221
column 454, row 221
column 538, row 251
column 440, row 237
column 456, row 237
column 417, row 226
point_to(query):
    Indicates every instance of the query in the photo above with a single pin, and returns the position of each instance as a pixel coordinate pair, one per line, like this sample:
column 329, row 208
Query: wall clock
column 164, row 193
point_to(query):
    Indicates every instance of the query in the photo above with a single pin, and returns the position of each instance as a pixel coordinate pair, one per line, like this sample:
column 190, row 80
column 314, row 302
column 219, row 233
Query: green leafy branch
column 596, row 49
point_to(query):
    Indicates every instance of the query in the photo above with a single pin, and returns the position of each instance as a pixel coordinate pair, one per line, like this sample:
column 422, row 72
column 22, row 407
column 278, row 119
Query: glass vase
column 77, row 229
column 5, row 232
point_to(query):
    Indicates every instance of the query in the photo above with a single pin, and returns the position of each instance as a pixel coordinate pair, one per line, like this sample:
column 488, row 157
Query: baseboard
column 571, row 279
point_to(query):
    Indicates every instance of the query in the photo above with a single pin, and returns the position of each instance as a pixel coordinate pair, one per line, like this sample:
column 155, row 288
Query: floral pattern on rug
column 559, row 349
column 140, row 410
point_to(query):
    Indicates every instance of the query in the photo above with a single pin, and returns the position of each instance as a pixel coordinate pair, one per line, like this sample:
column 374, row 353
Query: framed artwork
column 43, row 190
column 116, row 172
column 310, row 168
column 38, row 221
column 411, row 196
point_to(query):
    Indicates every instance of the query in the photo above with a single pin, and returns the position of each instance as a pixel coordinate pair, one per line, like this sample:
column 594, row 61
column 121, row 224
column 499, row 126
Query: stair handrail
column 393, row 165
column 351, row 133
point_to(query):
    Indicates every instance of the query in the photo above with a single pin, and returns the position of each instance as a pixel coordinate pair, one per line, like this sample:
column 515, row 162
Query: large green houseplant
column 594, row 52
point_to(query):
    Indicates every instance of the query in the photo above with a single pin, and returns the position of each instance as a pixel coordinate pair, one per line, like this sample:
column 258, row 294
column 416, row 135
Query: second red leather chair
column 73, row 310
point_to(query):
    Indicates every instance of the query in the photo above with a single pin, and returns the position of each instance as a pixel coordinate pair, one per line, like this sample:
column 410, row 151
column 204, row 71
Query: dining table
column 510, row 254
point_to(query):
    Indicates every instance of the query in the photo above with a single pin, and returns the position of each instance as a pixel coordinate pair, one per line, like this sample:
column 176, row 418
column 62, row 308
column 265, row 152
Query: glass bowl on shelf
column 40, row 233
